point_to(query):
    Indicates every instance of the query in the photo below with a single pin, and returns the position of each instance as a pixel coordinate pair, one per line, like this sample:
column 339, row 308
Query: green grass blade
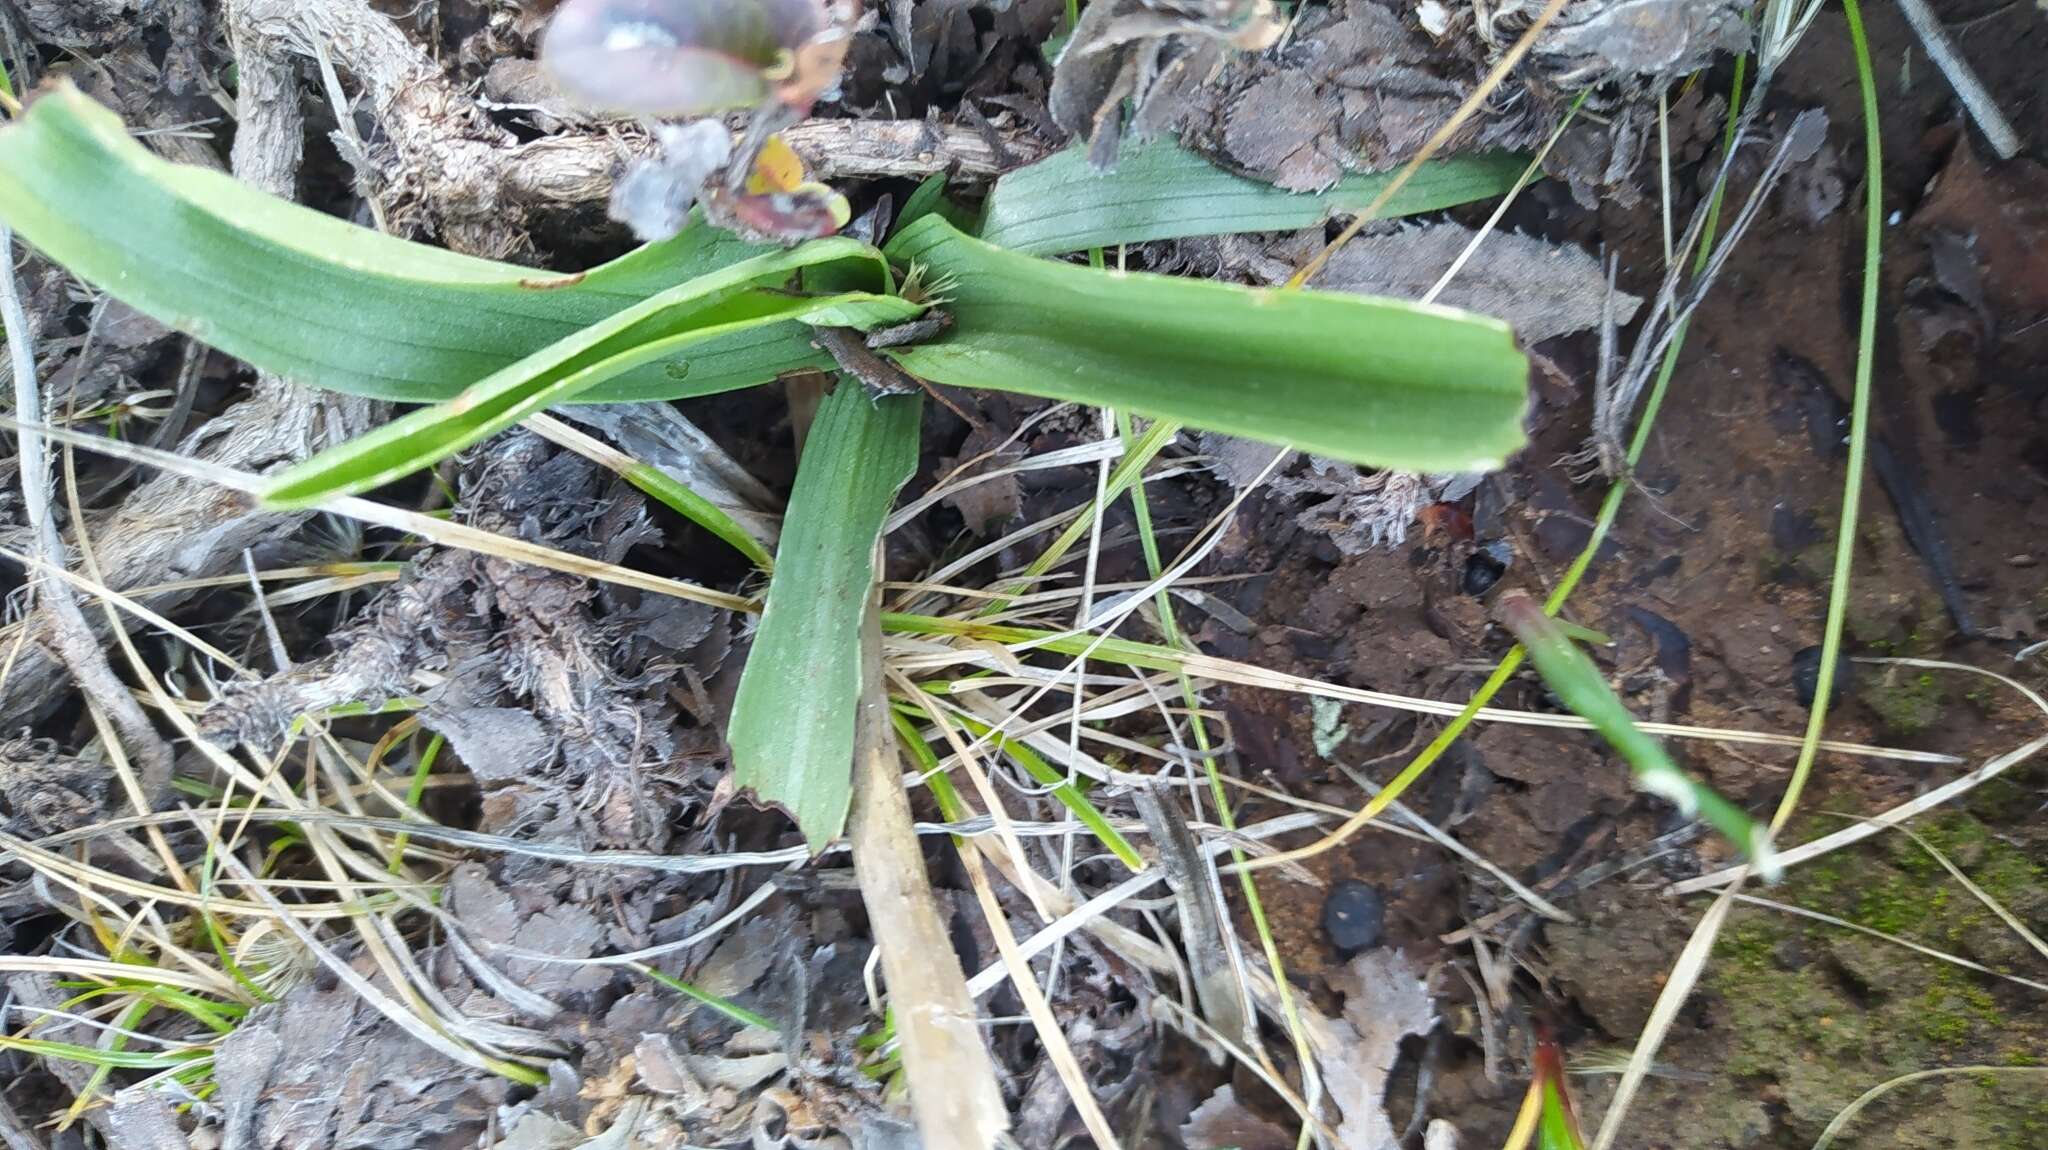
column 793, row 719
column 1378, row 382
column 725, row 1006
column 1610, row 511
column 929, row 198
column 1558, row 1130
column 1162, row 191
column 219, row 1017
column 324, row 302
column 1128, row 471
column 1578, row 684
column 414, row 793
column 710, row 516
column 1859, row 420
column 1558, row 1126
column 1170, row 630
column 94, row 1056
column 940, row 784
column 116, row 1042
column 1066, row 792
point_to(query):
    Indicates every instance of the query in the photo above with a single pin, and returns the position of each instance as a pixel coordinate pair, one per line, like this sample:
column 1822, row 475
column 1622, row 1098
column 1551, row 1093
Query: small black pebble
column 1354, row 915
column 1806, row 676
column 1483, row 568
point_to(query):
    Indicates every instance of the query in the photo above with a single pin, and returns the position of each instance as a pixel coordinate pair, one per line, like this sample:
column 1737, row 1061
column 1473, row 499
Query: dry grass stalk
column 1941, row 48
column 1057, row 1050
column 953, row 1089
column 1685, row 974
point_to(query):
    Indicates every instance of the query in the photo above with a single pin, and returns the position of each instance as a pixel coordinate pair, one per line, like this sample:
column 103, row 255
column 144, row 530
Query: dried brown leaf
column 1222, row 1122
column 1385, row 1001
column 1541, row 289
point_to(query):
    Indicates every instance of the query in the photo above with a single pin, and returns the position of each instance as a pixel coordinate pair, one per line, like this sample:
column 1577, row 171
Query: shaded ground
column 1713, row 579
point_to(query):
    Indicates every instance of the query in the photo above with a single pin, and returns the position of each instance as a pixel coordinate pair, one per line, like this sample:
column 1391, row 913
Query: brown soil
column 1729, row 542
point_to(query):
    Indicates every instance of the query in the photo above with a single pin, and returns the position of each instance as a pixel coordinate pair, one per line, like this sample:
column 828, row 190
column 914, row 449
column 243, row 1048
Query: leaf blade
column 1577, row 682
column 792, row 728
column 422, row 438
column 1379, row 382
column 1162, row 191
column 319, row 300
column 712, row 305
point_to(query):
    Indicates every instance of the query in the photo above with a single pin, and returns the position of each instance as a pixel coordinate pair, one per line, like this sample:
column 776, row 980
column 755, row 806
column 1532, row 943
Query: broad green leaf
column 336, row 306
column 1161, row 191
column 718, row 303
column 326, row 303
column 792, row 728
column 930, row 198
column 1373, row 381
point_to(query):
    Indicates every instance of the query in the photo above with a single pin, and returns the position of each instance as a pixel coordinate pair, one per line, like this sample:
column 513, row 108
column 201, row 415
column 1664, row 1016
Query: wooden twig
column 953, row 1090
column 1057, row 1050
column 475, row 181
column 878, row 373
column 1969, row 89
column 852, row 354
column 1205, row 932
column 71, row 634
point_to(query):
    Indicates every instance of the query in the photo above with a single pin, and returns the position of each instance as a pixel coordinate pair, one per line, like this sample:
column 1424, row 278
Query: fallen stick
column 953, row 1090
column 1970, row 90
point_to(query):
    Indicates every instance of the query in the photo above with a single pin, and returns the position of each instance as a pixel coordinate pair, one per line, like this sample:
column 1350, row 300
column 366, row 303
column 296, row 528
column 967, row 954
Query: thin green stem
column 699, row 510
column 1578, row 683
column 216, row 935
column 727, row 1007
column 938, row 782
column 1065, row 791
column 94, row 1056
column 1137, row 456
column 117, row 1042
column 413, row 794
column 1859, row 422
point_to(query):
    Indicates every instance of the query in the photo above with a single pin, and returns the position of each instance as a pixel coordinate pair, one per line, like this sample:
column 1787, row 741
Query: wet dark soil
column 1712, row 581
